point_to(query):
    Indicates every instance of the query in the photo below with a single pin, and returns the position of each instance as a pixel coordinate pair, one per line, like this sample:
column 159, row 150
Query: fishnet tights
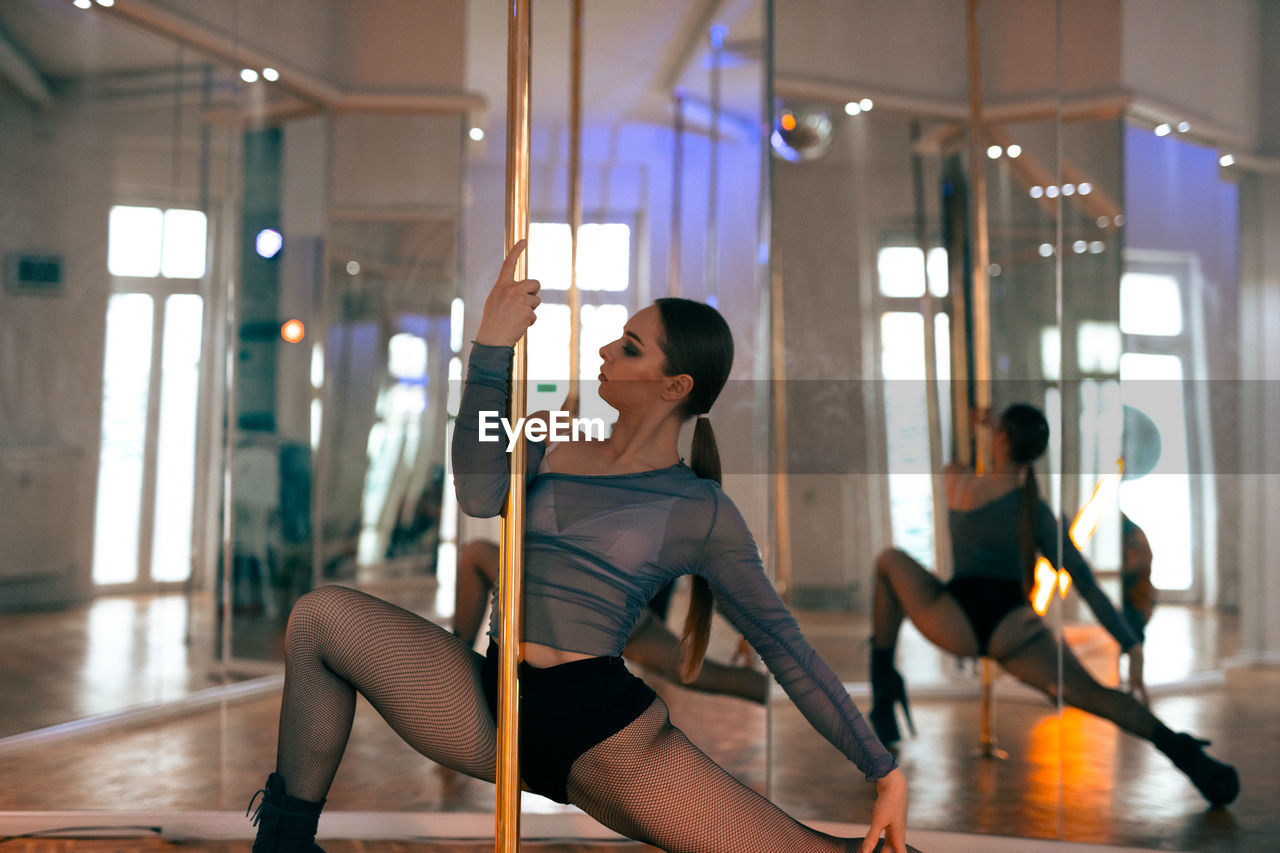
column 425, row 683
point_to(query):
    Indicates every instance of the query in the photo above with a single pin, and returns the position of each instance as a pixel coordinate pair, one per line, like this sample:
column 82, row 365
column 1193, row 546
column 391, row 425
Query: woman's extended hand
column 508, row 310
column 889, row 815
column 1137, row 681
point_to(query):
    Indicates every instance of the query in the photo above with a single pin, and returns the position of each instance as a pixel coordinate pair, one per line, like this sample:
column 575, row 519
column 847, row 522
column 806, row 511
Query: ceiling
column 635, row 55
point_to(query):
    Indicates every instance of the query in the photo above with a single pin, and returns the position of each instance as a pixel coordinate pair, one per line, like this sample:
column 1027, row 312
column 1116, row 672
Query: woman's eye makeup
column 628, row 349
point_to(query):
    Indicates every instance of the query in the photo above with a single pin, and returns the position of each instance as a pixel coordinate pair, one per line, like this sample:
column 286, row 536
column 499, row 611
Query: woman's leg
column 653, row 646
column 904, row 588
column 650, row 783
column 477, row 573
column 1023, row 644
column 424, row 681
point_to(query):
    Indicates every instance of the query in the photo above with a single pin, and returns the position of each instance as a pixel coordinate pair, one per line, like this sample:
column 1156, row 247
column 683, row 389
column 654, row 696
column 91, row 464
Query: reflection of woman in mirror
column 608, row 524
column 650, row 644
column 998, row 524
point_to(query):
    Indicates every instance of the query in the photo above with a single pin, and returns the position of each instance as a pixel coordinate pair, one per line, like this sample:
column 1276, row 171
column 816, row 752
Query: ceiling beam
column 25, row 77
column 303, row 85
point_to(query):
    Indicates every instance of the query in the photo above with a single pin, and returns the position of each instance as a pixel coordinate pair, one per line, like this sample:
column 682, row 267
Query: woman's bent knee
column 313, row 610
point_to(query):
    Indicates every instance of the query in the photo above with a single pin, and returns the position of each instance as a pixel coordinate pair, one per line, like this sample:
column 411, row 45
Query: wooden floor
column 1068, row 776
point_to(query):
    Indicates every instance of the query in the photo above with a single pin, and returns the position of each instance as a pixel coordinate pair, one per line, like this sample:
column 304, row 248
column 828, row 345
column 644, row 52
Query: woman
column 650, row 644
column 608, row 523
column 998, row 524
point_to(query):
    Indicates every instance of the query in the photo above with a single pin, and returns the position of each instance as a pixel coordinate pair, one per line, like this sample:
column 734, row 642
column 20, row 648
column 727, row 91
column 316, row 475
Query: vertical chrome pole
column 711, row 283
column 572, row 402
column 677, row 193
column 507, row 835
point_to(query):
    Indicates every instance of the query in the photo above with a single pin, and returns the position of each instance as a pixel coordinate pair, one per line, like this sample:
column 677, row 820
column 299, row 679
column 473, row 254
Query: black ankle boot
column 285, row 824
column 1217, row 782
column 887, row 689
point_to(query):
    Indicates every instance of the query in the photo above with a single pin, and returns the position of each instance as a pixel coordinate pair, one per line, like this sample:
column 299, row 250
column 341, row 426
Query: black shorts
column 985, row 601
column 564, row 711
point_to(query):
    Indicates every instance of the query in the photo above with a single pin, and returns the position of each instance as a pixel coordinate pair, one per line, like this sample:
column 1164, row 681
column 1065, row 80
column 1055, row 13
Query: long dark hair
column 1028, row 433
column 696, row 341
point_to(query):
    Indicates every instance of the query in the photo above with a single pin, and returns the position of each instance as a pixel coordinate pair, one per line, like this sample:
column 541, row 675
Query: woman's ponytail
column 1027, row 505
column 1028, row 433
column 704, row 459
column 696, row 341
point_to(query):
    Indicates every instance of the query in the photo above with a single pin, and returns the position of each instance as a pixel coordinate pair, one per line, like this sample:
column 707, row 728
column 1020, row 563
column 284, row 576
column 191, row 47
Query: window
column 604, row 280
column 147, row 242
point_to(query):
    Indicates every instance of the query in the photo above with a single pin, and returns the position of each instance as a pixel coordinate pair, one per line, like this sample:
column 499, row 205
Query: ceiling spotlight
column 1068, row 189
column 1014, row 150
column 1103, row 221
column 1226, row 160
column 1118, row 219
column 1084, row 188
column 866, row 104
column 1051, row 191
column 1079, row 246
column 1183, row 126
column 1096, row 247
column 248, row 75
column 1163, row 130
column 852, row 108
column 1037, row 191
column 83, row 4
column 994, row 152
column 1046, row 250
column 801, row 134
column 476, row 134
column 353, row 268
column 270, row 74
column 107, row 3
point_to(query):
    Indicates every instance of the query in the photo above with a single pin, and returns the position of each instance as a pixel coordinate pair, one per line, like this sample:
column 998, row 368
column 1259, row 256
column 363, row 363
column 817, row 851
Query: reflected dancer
column 999, row 524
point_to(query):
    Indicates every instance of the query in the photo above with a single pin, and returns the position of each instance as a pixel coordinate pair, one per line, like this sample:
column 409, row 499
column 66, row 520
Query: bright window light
column 604, row 255
column 134, row 239
column 184, row 244
column 457, row 313
column 902, row 274
column 407, row 357
column 1050, row 353
column 1098, row 347
column 1150, row 304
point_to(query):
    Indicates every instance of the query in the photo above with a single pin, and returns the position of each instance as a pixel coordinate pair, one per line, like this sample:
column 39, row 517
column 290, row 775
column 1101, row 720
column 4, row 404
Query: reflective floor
column 1113, row 789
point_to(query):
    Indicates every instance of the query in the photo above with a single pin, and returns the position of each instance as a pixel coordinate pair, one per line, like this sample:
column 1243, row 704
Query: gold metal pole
column 980, row 305
column 677, row 194
column 572, row 402
column 980, row 313
column 507, row 834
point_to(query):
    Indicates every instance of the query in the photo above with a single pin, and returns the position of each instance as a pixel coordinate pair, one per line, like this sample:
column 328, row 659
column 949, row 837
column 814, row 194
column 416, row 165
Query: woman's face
column 633, row 372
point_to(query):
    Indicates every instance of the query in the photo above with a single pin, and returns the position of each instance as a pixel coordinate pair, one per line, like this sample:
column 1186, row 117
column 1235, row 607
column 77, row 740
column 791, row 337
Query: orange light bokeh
column 1082, row 530
column 788, row 121
column 293, row 331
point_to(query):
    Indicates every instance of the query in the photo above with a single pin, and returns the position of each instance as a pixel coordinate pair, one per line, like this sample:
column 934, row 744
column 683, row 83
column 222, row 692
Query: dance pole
column 980, row 314
column 711, row 285
column 677, row 194
column 980, row 305
column 507, row 834
column 572, row 401
column 929, row 309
